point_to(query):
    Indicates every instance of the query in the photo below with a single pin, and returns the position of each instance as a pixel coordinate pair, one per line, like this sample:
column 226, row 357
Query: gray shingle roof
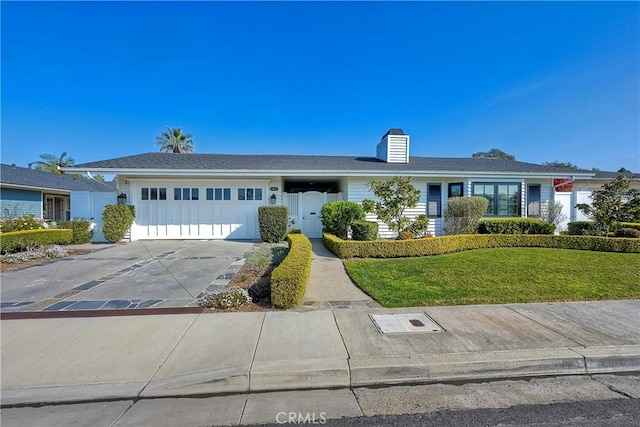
column 236, row 162
column 614, row 175
column 19, row 176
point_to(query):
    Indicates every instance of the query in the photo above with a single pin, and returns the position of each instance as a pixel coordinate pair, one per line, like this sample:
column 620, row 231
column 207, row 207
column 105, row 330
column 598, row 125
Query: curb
column 348, row 374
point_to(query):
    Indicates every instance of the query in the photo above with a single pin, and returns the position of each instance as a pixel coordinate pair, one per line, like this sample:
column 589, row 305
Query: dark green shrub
column 117, row 220
column 274, row 222
column 628, row 232
column 364, row 230
column 463, row 214
column 337, row 217
column 456, row 243
column 80, row 229
column 289, row 279
column 582, row 228
column 20, row 240
column 515, row 226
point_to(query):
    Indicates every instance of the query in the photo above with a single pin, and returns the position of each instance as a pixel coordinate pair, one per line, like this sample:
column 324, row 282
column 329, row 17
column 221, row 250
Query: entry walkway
column 329, row 285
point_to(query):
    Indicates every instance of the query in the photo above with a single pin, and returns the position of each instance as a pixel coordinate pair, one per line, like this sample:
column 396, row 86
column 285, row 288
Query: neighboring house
column 216, row 196
column 52, row 197
column 580, row 190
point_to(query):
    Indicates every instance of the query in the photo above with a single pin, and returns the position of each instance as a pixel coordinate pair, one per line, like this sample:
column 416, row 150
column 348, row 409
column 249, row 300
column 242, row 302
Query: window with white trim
column 249, row 193
column 153, row 193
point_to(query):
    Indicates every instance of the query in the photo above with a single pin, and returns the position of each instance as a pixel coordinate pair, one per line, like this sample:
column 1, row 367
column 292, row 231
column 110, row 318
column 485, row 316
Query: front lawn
column 494, row 276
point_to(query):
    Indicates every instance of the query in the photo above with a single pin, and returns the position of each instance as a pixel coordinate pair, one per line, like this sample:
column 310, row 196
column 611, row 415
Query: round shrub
column 405, row 235
column 337, row 217
column 80, row 229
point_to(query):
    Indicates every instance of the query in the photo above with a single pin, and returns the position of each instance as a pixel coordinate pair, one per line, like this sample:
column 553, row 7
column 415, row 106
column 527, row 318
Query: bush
column 289, row 279
column 515, row 226
column 463, row 242
column 582, row 228
column 337, row 217
column 231, row 297
column 21, row 223
column 463, row 214
column 80, row 229
column 117, row 220
column 274, row 222
column 53, row 252
column 20, row 240
column 405, row 235
column 628, row 232
column 364, row 230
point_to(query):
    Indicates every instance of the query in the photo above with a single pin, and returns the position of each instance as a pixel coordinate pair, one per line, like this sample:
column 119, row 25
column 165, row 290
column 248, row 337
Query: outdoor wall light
column 122, row 199
column 273, row 199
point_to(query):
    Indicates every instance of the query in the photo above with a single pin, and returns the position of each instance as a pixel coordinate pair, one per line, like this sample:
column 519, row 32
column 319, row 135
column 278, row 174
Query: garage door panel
column 207, row 219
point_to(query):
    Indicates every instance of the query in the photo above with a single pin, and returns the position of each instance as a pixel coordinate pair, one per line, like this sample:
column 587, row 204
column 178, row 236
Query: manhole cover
column 405, row 323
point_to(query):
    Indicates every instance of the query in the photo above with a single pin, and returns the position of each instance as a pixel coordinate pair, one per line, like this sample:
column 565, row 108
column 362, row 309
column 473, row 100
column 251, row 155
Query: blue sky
column 542, row 81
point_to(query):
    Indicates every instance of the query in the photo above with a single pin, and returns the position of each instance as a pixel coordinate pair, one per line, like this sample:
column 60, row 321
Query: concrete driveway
column 138, row 274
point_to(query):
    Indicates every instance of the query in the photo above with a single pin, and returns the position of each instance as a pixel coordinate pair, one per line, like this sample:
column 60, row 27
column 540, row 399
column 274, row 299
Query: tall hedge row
column 463, row 242
column 20, row 240
column 289, row 279
column 515, row 226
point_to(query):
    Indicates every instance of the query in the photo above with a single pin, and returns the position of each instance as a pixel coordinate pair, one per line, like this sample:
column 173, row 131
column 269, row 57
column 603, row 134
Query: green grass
column 495, row 276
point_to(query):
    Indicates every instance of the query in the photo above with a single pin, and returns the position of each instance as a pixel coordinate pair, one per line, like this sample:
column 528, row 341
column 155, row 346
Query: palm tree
column 52, row 163
column 174, row 140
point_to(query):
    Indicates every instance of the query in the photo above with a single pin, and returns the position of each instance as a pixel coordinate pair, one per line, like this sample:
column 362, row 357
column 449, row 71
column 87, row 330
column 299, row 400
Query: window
column 456, row 189
column 249, row 193
column 503, row 198
column 533, row 200
column 186, row 194
column 153, row 193
column 434, row 200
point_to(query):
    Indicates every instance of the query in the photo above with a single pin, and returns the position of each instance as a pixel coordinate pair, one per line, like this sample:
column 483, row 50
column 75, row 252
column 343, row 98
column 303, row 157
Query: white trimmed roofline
column 262, row 173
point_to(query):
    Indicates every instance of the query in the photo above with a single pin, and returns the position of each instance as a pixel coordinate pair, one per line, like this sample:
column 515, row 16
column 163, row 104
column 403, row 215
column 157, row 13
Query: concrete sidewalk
column 98, row 358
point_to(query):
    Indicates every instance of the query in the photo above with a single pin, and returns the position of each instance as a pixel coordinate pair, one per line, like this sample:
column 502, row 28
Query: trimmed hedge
column 628, row 232
column 20, row 240
column 289, row 279
column 364, row 230
column 273, row 221
column 463, row 242
column 515, row 226
column 634, row 225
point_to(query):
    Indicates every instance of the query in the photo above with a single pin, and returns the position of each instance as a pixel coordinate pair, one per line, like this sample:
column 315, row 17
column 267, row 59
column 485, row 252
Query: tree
column 396, row 195
column 99, row 177
column 174, row 140
column 562, row 165
column 494, row 153
column 52, row 163
column 615, row 202
column 624, row 170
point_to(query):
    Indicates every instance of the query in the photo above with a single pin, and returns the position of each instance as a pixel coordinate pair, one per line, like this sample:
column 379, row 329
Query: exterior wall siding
column 16, row 202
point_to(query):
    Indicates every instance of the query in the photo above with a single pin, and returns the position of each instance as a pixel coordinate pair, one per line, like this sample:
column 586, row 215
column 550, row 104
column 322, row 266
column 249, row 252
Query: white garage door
column 197, row 212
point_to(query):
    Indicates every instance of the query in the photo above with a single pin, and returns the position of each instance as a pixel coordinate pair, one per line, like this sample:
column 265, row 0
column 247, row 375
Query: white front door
column 311, row 203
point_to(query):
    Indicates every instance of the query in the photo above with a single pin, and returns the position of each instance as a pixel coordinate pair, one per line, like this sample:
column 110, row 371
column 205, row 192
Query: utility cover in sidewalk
column 404, row 323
